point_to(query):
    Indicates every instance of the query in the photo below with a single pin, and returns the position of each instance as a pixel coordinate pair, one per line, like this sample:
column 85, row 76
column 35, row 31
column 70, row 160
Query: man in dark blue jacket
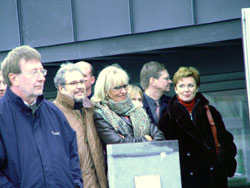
column 155, row 81
column 37, row 145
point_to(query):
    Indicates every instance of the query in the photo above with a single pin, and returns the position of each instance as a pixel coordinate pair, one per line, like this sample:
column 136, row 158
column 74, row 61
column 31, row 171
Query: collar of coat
column 175, row 108
column 69, row 103
column 10, row 95
column 181, row 116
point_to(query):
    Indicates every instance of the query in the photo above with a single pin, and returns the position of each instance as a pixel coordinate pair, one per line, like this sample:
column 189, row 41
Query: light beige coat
column 89, row 145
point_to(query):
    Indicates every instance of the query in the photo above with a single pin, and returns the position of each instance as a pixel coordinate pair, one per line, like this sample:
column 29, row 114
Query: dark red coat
column 200, row 166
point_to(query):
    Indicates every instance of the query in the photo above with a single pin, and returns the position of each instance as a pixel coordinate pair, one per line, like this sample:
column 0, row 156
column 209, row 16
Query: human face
column 186, row 89
column 29, row 83
column 163, row 82
column 2, row 86
column 88, row 78
column 118, row 93
column 137, row 100
column 74, row 86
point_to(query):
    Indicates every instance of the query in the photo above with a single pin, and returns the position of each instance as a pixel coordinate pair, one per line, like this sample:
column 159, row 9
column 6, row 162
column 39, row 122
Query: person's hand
column 149, row 138
column 121, row 135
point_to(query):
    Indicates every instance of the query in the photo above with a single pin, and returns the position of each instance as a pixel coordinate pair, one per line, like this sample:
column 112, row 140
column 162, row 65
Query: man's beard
column 79, row 99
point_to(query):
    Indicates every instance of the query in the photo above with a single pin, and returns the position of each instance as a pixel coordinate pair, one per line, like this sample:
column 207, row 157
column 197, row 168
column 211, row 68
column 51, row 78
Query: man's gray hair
column 64, row 68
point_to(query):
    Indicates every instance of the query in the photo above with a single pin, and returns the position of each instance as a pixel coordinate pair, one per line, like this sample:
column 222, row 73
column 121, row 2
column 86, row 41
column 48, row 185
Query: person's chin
column 79, row 99
column 123, row 98
column 187, row 100
column 38, row 93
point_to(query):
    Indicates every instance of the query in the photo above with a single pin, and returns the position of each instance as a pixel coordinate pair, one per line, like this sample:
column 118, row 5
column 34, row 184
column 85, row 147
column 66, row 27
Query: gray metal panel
column 214, row 10
column 46, row 22
column 131, row 160
column 9, row 32
column 148, row 15
column 143, row 42
column 97, row 19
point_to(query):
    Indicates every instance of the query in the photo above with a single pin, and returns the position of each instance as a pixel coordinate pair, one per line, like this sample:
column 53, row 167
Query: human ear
column 92, row 80
column 175, row 89
column 61, row 88
column 13, row 79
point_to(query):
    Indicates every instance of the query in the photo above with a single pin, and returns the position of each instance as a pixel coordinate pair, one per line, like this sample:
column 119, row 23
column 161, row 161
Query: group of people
column 63, row 143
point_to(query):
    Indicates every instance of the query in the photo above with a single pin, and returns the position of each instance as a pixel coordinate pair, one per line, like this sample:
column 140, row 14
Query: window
column 233, row 107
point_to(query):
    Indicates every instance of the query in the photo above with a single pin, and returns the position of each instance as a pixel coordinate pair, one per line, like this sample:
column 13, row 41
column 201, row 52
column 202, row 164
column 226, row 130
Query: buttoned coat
column 200, row 165
column 87, row 136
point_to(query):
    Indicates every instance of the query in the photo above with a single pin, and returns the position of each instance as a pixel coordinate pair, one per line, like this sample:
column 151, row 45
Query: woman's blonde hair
column 108, row 78
column 184, row 72
column 133, row 90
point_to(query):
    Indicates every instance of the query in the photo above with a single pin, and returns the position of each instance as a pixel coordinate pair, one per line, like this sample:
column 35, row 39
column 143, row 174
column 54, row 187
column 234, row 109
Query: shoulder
column 87, row 103
column 165, row 98
column 51, row 112
column 215, row 113
column 97, row 112
column 50, row 108
column 144, row 101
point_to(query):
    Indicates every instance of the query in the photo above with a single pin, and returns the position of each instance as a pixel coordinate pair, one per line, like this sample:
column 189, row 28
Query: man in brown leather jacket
column 72, row 100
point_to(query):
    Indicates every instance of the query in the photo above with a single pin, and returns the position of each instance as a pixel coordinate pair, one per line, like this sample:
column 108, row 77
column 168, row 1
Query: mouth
column 39, row 87
column 79, row 93
column 187, row 95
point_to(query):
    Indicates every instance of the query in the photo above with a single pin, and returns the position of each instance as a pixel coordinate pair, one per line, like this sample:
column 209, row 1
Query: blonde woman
column 116, row 118
column 136, row 95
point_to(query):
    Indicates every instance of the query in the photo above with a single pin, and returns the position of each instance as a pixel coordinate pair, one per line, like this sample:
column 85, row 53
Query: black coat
column 200, row 165
column 108, row 134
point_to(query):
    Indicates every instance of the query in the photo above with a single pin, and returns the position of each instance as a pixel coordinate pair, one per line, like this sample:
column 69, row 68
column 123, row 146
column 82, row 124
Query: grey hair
column 59, row 79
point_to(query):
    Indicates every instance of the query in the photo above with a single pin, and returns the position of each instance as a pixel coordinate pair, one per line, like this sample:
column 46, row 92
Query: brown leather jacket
column 89, row 146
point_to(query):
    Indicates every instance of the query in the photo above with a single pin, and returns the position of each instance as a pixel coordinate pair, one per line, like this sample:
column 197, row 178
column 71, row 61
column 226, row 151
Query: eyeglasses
column 75, row 83
column 2, row 83
column 167, row 78
column 35, row 73
column 189, row 86
column 120, row 87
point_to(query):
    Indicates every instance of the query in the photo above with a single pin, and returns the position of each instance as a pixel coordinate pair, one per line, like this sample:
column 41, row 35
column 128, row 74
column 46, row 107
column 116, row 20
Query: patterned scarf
column 110, row 111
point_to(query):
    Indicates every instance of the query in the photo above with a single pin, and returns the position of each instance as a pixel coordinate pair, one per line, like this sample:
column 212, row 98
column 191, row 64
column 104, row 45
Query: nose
column 186, row 88
column 124, row 90
column 80, row 85
column 41, row 77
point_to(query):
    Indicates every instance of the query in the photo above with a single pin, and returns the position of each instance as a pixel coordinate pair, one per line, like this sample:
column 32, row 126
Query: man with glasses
column 2, row 85
column 38, row 148
column 77, row 108
column 155, row 81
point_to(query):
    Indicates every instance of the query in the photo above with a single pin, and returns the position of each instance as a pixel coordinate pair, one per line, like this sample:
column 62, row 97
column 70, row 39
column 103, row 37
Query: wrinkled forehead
column 73, row 76
column 30, row 64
